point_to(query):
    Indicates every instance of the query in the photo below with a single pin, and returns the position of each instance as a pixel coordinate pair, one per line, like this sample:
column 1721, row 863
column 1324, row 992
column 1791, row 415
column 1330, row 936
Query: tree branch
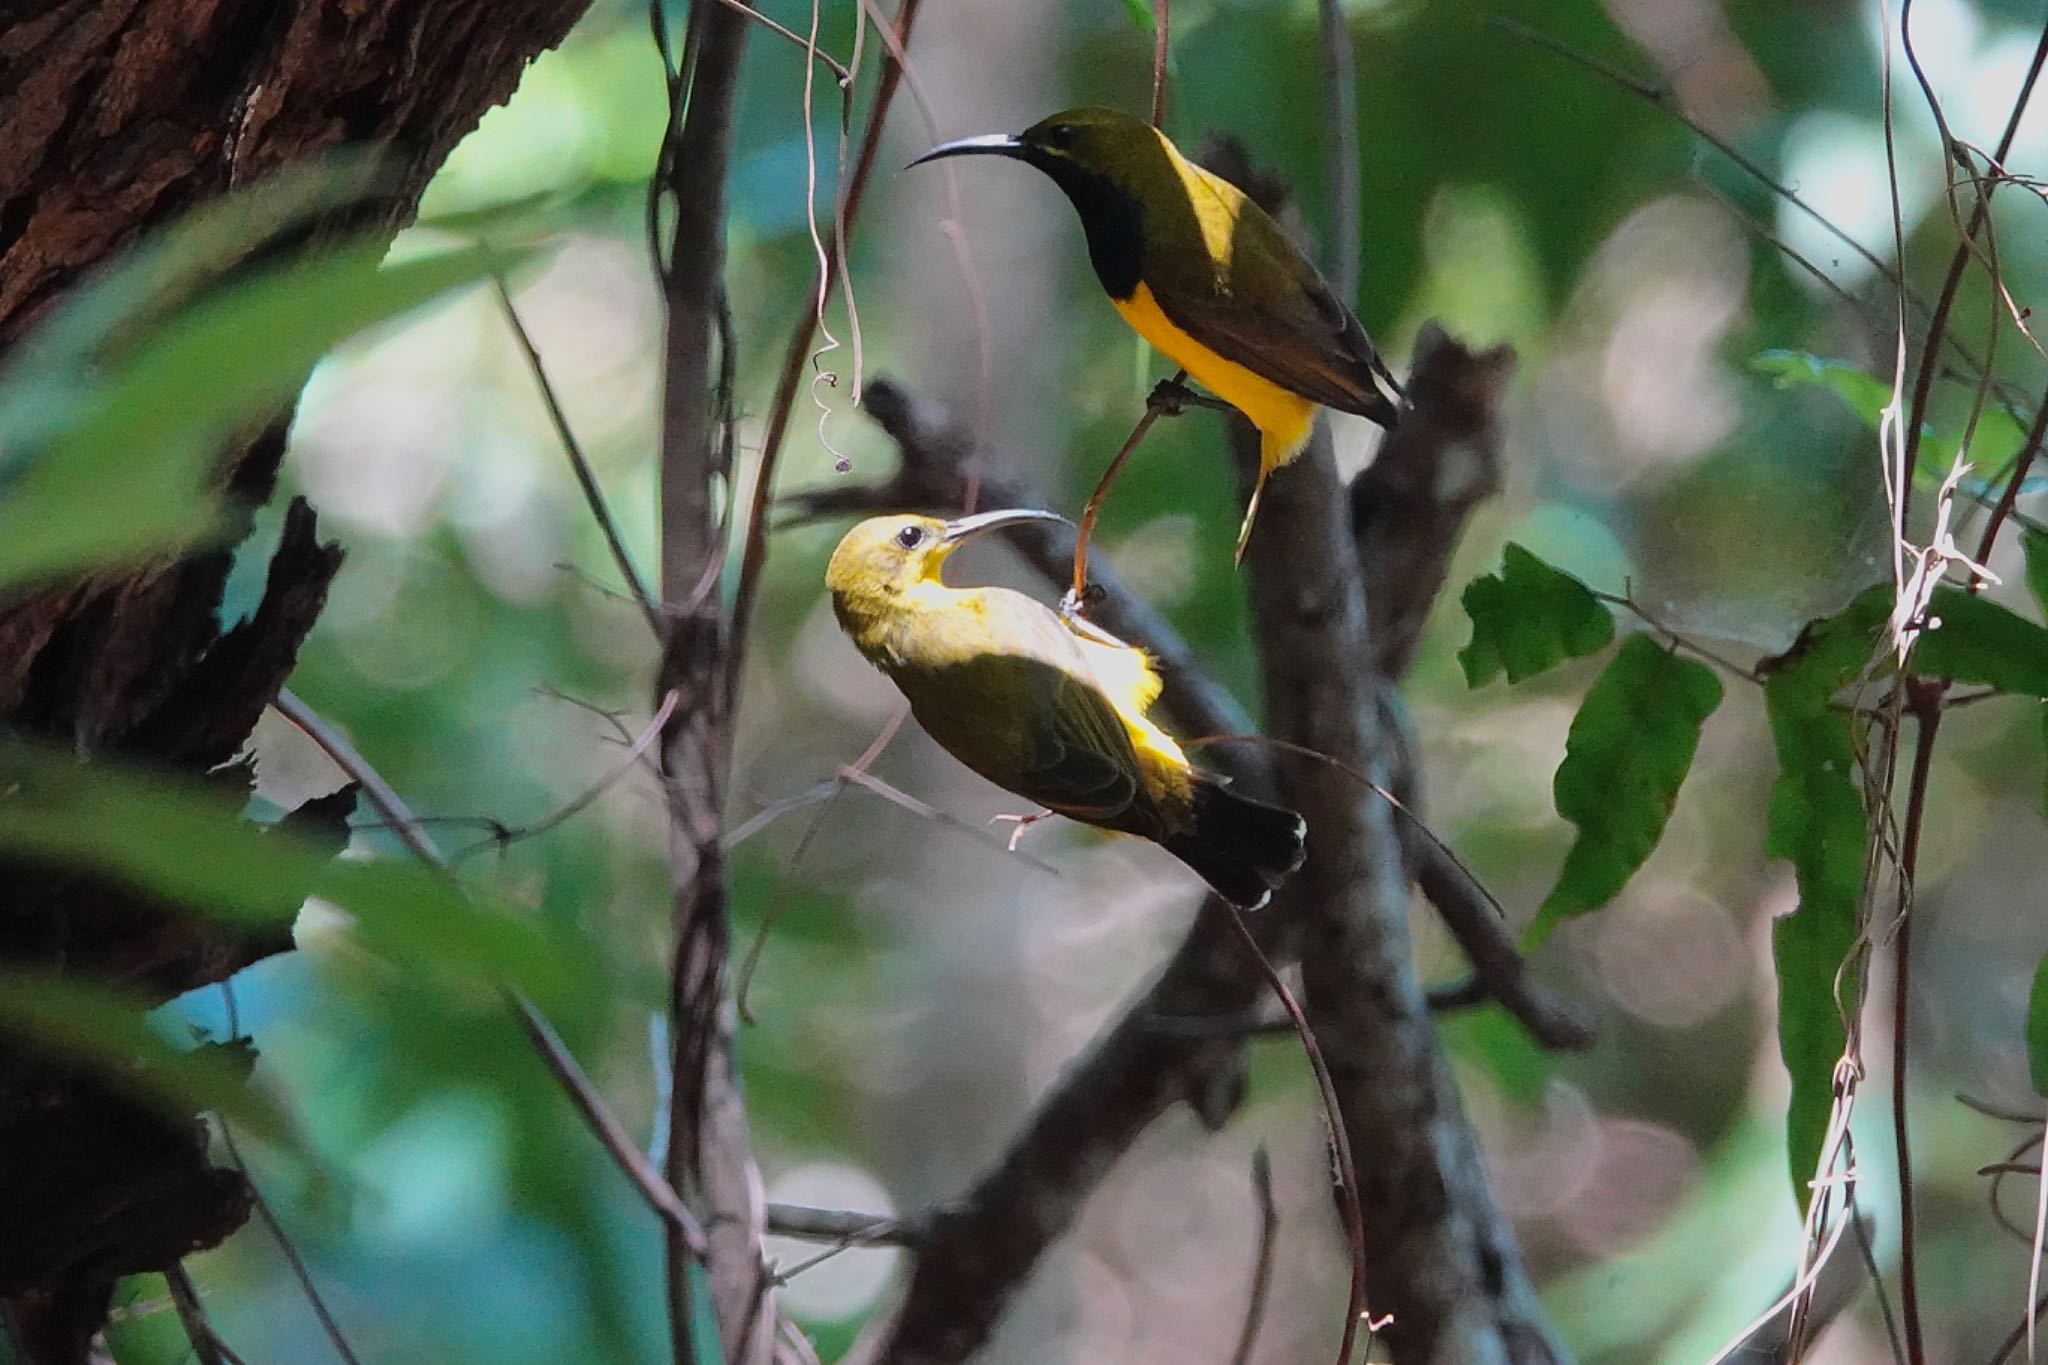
column 709, row 1159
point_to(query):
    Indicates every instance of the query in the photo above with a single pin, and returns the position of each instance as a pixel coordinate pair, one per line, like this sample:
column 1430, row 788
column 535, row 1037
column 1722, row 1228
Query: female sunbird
column 1052, row 712
column 1205, row 275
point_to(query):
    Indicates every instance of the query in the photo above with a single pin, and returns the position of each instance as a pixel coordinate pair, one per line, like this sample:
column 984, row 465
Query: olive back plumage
column 1052, row 713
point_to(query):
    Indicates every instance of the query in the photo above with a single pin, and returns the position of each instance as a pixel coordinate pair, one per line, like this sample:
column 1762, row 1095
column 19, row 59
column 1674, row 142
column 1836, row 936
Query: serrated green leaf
column 1529, row 618
column 1816, row 820
column 1972, row 640
column 107, row 1030
column 2037, row 1029
column 122, row 468
column 1629, row 750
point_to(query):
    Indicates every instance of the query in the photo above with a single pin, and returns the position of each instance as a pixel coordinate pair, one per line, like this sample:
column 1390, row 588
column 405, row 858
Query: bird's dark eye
column 1060, row 136
column 910, row 537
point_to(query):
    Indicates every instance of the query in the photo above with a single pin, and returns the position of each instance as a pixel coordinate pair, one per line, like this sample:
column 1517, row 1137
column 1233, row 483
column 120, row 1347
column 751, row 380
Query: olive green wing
column 1084, row 766
column 1268, row 310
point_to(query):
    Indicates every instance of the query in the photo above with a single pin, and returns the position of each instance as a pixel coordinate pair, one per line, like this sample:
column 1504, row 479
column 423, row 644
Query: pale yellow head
column 884, row 558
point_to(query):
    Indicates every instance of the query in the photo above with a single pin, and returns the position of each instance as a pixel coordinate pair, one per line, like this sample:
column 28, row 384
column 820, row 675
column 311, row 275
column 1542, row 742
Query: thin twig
column 1262, row 1261
column 1340, row 118
column 1159, row 51
column 2019, row 1333
column 329, row 1326
column 755, row 552
column 1643, row 614
column 816, row 54
column 1166, row 400
column 625, row 1152
column 582, row 1092
column 842, row 1225
column 1333, row 1111
column 2011, row 492
column 582, row 801
column 586, row 478
column 1500, row 973
column 1944, row 300
column 206, row 1343
column 1926, row 709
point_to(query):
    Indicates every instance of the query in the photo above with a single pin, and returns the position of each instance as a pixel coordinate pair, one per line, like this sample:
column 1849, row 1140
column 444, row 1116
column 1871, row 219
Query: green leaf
column 1816, row 820
column 2035, row 545
column 1629, row 750
column 1866, row 395
column 2037, row 1029
column 1829, row 652
column 1972, row 640
column 121, row 465
column 107, row 1030
column 1994, row 442
column 1529, row 618
column 190, row 849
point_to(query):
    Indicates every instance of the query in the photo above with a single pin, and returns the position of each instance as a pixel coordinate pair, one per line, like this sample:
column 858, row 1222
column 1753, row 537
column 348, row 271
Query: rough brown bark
column 116, row 116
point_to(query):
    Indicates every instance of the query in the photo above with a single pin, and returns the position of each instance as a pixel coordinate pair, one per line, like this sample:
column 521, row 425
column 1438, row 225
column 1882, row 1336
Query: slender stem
column 755, row 553
column 330, row 1326
column 560, row 1062
column 586, row 479
column 2010, row 494
column 841, row 1225
column 1340, row 1141
column 625, row 1152
column 1937, row 325
column 1925, row 703
column 1159, row 48
column 207, row 1347
column 1155, row 408
column 1262, row 1261
column 1340, row 104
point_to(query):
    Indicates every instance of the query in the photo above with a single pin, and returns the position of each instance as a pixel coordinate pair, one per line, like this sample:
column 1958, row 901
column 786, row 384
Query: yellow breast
column 1284, row 419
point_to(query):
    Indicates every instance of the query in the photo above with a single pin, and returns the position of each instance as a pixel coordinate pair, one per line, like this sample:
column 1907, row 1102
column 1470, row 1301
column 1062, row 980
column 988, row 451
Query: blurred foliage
column 1692, row 427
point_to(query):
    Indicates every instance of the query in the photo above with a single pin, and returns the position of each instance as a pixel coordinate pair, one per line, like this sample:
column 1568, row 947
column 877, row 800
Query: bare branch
column 842, row 1226
column 586, row 478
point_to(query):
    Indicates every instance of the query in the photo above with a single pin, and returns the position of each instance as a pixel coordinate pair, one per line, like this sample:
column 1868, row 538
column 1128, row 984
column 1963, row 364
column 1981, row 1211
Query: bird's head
column 1114, row 168
column 882, row 558
column 1087, row 142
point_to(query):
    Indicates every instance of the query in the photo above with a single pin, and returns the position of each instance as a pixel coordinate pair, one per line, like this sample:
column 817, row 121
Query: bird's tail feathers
column 1242, row 848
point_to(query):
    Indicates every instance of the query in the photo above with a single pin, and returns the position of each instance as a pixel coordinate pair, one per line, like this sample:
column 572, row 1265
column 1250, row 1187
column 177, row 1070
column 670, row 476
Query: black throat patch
column 1113, row 222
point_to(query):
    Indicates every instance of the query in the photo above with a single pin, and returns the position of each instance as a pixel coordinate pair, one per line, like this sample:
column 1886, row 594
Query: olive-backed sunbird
column 1052, row 712
column 1205, row 275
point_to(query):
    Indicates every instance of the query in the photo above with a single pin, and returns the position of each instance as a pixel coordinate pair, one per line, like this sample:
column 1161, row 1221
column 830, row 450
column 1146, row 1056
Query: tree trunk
column 117, row 116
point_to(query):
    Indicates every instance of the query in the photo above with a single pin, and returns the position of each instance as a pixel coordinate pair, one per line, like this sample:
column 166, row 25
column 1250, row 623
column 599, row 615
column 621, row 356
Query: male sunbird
column 1052, row 712
column 1205, row 275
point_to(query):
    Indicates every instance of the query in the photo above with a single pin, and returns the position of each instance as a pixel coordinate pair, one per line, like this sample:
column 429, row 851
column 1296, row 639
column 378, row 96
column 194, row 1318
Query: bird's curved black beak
column 988, row 144
column 965, row 528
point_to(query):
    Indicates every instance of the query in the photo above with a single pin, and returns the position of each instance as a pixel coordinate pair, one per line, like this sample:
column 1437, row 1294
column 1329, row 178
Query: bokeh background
column 920, row 986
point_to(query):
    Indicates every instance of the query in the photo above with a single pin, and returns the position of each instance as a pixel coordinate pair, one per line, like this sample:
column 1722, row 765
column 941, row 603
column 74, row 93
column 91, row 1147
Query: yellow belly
column 1284, row 419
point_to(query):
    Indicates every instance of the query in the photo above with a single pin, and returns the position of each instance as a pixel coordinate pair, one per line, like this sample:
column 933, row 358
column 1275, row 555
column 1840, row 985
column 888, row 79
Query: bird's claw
column 1022, row 822
column 1074, row 602
column 1172, row 397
